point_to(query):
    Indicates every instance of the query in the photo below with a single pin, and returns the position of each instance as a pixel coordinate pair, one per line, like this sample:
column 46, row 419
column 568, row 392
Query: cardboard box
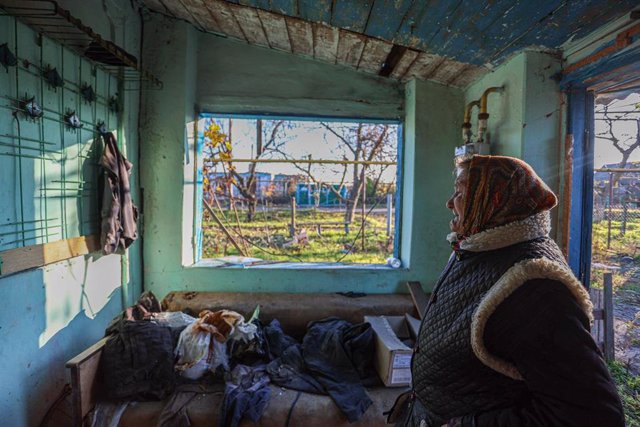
column 393, row 357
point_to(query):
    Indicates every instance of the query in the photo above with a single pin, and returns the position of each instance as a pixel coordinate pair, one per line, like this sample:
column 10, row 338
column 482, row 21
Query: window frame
column 199, row 261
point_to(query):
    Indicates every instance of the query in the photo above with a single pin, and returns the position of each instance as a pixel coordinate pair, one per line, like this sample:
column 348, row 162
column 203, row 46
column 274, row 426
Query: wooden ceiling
column 318, row 40
column 448, row 41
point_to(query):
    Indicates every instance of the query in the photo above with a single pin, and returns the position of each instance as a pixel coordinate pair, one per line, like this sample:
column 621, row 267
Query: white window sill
column 283, row 265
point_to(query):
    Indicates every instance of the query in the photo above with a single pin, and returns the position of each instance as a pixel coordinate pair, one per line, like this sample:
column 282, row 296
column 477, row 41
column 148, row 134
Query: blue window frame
column 200, row 141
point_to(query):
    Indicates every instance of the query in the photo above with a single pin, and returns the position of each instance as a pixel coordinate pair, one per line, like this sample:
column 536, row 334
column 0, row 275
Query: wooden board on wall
column 21, row 259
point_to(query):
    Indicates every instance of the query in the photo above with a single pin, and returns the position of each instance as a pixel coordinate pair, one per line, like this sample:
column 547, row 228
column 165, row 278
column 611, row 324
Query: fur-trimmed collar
column 511, row 280
column 530, row 228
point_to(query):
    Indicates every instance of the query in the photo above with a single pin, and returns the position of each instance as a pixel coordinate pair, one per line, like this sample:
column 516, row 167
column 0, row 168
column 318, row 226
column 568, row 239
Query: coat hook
column 52, row 77
column 87, row 93
column 72, row 120
column 101, row 127
column 30, row 107
column 7, row 58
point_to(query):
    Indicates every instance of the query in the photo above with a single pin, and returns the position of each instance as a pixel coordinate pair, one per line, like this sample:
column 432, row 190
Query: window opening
column 616, row 189
column 298, row 190
column 616, row 216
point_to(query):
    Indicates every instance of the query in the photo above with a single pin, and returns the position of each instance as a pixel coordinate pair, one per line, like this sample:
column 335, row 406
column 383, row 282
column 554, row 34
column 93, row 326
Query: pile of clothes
column 154, row 355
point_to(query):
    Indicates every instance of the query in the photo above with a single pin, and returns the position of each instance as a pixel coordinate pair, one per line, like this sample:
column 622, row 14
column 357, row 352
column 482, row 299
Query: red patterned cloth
column 501, row 190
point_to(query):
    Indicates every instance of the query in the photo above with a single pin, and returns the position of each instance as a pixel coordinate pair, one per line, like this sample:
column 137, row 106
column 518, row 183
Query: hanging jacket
column 119, row 214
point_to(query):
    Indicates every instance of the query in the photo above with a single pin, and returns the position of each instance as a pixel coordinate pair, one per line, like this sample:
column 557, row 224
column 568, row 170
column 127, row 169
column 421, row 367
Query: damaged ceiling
column 451, row 42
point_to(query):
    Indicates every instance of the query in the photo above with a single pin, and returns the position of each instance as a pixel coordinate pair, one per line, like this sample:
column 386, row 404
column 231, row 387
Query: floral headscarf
column 501, row 190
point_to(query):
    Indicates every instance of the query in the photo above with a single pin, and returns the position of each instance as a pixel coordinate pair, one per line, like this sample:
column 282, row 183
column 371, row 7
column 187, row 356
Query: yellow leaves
column 215, row 138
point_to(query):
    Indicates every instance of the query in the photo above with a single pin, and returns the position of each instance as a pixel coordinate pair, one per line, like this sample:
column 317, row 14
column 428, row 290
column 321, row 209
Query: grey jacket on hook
column 119, row 214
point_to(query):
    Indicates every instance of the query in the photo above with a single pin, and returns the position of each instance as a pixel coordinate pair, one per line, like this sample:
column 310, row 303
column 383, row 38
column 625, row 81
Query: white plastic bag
column 243, row 331
column 197, row 355
column 173, row 319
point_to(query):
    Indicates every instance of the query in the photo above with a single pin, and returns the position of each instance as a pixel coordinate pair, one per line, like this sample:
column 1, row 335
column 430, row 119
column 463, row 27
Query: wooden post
column 389, row 201
column 624, row 217
column 610, row 203
column 566, row 205
column 292, row 226
column 364, row 200
column 609, row 344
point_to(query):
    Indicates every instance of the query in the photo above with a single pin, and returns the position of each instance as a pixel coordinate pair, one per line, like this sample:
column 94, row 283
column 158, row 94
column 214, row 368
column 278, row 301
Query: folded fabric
column 246, row 394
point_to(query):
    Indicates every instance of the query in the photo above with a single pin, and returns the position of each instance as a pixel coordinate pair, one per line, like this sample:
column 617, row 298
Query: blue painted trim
column 199, row 206
column 581, row 115
column 397, row 235
column 315, row 10
column 351, row 15
column 425, row 21
column 399, row 166
column 386, row 17
column 302, row 118
column 261, row 4
column 592, row 74
column 287, row 7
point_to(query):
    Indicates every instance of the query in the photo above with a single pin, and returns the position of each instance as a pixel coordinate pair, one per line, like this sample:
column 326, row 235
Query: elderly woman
column 505, row 338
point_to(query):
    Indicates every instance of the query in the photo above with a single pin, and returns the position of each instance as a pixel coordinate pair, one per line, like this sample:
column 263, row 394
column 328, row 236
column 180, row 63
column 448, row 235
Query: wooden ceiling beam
column 389, row 64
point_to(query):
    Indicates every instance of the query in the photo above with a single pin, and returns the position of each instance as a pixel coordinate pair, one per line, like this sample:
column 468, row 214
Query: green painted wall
column 51, row 314
column 233, row 77
column 506, row 110
column 525, row 120
column 228, row 82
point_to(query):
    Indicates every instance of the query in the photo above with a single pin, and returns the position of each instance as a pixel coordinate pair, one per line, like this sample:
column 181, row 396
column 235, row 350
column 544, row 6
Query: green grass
column 629, row 390
column 267, row 235
column 620, row 245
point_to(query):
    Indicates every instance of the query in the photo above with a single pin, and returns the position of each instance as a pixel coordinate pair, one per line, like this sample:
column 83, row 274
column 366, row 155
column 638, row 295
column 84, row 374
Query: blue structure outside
column 310, row 195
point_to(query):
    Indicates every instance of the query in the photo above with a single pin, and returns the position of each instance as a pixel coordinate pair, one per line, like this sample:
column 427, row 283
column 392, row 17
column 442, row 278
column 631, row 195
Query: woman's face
column 457, row 200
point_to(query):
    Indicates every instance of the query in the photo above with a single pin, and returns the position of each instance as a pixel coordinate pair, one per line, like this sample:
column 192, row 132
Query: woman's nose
column 450, row 203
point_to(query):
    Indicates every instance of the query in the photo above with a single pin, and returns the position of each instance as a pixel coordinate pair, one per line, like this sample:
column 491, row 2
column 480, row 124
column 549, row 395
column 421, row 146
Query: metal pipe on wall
column 466, row 125
column 483, row 115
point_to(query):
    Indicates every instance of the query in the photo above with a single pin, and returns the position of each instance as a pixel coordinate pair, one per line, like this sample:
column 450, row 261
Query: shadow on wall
column 49, row 315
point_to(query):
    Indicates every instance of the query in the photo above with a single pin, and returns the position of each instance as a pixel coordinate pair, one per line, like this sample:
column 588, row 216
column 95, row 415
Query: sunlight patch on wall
column 80, row 286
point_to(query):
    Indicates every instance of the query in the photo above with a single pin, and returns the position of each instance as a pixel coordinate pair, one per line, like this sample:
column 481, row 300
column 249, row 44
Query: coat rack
column 48, row 18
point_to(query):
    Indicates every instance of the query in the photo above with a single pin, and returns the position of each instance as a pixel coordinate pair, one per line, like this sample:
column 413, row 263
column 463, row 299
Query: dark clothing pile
column 334, row 358
column 174, row 413
column 137, row 362
column 246, row 395
column 339, row 356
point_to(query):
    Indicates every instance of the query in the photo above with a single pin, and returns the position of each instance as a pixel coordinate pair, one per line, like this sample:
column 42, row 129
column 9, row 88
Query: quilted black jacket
column 540, row 329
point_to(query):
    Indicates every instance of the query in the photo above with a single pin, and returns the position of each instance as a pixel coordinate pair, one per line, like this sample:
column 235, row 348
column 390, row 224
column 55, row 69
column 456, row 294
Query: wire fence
column 616, row 215
column 300, row 221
